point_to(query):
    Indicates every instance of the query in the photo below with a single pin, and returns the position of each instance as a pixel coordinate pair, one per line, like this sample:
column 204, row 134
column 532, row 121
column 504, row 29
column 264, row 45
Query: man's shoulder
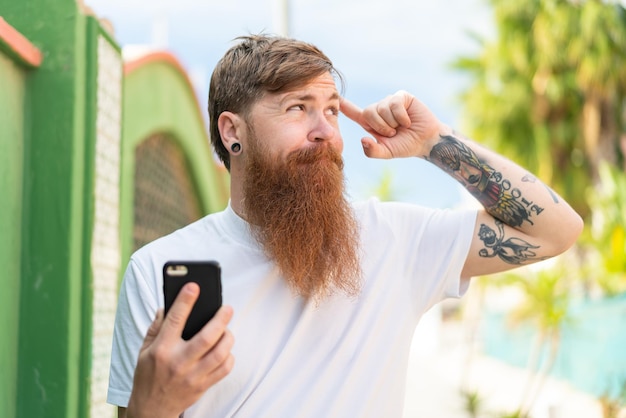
column 373, row 208
column 405, row 217
column 184, row 241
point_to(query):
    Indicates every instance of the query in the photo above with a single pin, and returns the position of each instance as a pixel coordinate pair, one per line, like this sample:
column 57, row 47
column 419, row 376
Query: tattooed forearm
column 512, row 250
column 495, row 193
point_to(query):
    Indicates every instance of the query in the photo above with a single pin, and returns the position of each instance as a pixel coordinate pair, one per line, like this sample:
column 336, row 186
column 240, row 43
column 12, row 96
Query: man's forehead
column 309, row 95
column 323, row 86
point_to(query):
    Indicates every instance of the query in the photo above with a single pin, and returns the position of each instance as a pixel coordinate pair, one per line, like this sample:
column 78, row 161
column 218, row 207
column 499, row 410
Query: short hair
column 259, row 64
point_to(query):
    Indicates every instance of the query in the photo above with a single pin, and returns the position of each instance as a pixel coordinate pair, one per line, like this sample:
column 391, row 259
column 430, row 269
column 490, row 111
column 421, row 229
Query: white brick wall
column 105, row 253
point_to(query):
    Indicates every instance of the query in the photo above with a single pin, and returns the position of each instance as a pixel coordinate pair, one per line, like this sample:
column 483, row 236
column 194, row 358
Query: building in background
column 99, row 156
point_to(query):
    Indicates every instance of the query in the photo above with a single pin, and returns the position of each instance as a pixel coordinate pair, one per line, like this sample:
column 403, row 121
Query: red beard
column 302, row 219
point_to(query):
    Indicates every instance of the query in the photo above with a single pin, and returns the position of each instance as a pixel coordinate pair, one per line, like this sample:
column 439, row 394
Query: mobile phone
column 208, row 276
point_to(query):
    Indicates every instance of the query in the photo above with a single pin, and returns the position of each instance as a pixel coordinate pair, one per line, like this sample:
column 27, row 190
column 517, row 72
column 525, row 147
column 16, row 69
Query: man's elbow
column 568, row 233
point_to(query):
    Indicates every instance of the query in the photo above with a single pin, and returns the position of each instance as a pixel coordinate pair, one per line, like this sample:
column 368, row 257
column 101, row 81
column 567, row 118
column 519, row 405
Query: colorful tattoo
column 496, row 194
column 512, row 250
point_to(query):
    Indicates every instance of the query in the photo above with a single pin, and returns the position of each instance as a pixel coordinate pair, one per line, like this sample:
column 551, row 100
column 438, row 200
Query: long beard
column 302, row 220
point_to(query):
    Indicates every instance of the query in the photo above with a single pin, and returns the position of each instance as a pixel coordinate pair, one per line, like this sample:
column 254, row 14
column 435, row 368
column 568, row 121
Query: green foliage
column 549, row 90
column 606, row 242
column 547, row 295
column 384, row 189
column 472, row 403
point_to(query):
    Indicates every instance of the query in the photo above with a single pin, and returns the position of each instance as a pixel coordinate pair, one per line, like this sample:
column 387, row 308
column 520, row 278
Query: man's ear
column 231, row 127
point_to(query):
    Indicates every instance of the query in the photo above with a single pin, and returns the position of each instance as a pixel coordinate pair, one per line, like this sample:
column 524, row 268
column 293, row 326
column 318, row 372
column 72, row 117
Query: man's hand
column 172, row 373
column 401, row 125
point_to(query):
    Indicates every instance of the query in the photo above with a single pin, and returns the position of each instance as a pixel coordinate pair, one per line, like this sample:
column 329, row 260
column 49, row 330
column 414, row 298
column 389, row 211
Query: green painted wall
column 47, row 133
column 12, row 124
column 50, row 379
column 159, row 99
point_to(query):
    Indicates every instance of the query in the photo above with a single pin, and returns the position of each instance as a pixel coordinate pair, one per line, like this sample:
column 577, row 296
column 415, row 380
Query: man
column 322, row 296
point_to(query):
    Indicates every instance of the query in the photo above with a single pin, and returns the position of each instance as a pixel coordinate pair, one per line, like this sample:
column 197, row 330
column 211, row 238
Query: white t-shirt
column 342, row 357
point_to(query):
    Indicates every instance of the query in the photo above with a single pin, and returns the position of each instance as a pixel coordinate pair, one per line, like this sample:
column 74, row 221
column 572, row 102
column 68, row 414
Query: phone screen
column 208, row 276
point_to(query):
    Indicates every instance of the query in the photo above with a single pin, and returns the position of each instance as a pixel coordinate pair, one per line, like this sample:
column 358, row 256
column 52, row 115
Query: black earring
column 236, row 147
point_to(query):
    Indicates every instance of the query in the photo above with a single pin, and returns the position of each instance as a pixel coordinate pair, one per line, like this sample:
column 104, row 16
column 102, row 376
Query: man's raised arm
column 523, row 220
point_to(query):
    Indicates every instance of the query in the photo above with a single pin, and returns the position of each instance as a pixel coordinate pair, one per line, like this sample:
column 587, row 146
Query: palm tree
column 546, row 308
column 549, row 91
column 606, row 241
column 600, row 74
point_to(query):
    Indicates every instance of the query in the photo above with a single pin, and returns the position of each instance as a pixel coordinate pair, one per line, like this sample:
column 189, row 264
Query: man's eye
column 333, row 111
column 297, row 107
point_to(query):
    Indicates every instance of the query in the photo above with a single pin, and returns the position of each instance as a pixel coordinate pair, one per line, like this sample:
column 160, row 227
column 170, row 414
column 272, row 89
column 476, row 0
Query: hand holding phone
column 207, row 274
column 186, row 369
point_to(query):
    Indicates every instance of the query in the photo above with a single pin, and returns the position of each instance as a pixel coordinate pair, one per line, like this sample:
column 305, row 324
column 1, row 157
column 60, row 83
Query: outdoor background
column 547, row 76
column 380, row 47
column 104, row 147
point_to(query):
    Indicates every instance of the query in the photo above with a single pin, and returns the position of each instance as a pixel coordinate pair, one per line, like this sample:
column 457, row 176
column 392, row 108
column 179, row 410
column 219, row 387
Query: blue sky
column 379, row 46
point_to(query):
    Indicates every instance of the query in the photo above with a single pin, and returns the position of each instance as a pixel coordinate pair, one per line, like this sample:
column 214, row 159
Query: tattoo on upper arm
column 488, row 186
column 512, row 250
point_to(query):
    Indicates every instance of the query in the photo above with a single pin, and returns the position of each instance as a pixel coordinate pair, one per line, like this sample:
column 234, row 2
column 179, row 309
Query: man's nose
column 322, row 129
